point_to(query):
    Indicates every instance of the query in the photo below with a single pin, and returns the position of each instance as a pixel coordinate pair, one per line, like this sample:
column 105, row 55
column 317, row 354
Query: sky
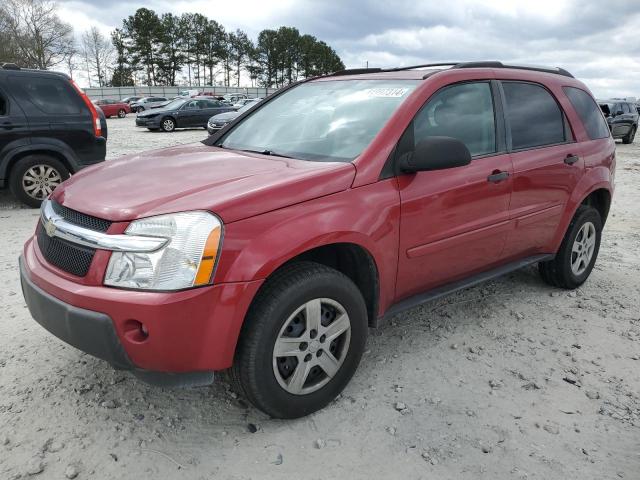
column 597, row 41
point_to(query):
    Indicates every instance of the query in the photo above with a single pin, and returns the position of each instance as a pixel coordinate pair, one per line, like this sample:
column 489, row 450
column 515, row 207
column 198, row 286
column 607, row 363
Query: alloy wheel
column 40, row 180
column 168, row 125
column 311, row 346
column 583, row 248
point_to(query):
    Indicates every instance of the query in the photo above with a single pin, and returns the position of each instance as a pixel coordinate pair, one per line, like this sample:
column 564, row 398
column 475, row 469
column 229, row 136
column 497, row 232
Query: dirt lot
column 511, row 379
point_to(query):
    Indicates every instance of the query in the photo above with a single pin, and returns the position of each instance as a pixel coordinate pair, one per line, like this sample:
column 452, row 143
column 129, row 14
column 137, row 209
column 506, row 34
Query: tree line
column 160, row 49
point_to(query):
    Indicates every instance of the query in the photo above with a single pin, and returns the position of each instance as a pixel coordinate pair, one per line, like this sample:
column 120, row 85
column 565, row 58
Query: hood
column 234, row 185
column 226, row 116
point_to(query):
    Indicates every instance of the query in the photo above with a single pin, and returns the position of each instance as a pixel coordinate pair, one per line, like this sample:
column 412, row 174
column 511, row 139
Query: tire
column 630, row 136
column 569, row 270
column 140, row 109
column 279, row 309
column 122, row 113
column 34, row 177
column 168, row 124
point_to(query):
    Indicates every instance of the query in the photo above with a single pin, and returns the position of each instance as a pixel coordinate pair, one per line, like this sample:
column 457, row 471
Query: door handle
column 571, row 159
column 497, row 176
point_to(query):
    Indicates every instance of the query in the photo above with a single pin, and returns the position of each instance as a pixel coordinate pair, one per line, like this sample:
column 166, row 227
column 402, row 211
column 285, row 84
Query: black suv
column 49, row 129
column 622, row 117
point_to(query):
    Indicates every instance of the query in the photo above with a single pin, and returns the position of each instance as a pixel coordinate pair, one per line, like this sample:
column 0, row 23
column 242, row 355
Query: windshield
column 327, row 120
column 174, row 104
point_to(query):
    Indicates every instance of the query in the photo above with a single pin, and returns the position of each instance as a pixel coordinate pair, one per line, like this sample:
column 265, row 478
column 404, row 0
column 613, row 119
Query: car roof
column 421, row 72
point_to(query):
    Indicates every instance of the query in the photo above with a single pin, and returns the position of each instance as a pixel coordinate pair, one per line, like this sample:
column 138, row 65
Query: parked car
column 181, row 113
column 113, row 108
column 270, row 248
column 49, row 129
column 622, row 118
column 147, row 103
column 232, row 98
column 130, row 100
column 220, row 120
column 241, row 103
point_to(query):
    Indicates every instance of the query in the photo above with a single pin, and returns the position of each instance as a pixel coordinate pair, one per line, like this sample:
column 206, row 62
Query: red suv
column 335, row 203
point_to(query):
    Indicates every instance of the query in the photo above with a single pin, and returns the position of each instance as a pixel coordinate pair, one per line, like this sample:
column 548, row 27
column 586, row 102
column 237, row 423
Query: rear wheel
column 168, row 124
column 122, row 113
column 34, row 177
column 630, row 136
column 578, row 252
column 301, row 341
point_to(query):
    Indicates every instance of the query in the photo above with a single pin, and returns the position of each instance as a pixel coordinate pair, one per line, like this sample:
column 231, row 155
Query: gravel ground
column 511, row 379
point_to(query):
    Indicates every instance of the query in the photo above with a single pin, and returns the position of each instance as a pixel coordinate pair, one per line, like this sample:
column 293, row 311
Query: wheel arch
column 13, row 160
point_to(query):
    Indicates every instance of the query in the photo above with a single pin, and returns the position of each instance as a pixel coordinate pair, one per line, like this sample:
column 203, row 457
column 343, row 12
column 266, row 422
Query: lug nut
column 319, row 353
column 307, row 357
column 323, row 338
column 313, row 334
column 303, row 346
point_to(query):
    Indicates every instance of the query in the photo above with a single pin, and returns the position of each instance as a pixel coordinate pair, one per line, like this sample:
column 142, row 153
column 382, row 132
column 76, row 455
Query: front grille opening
column 67, row 256
column 81, row 219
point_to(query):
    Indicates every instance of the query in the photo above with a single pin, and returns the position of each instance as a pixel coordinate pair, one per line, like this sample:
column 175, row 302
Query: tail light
column 97, row 126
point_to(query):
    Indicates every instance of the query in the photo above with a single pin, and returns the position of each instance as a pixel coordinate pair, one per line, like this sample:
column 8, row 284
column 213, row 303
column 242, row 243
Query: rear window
column 534, row 116
column 589, row 113
column 50, row 94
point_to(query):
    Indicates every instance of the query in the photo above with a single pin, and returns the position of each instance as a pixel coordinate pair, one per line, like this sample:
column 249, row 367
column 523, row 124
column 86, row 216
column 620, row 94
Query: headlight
column 188, row 259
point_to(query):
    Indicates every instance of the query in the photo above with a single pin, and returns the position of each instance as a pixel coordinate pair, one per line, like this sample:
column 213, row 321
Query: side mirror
column 436, row 153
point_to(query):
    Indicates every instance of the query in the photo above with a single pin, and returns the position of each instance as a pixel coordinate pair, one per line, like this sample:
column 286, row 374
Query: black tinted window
column 533, row 114
column 3, row 106
column 464, row 112
column 51, row 95
column 589, row 113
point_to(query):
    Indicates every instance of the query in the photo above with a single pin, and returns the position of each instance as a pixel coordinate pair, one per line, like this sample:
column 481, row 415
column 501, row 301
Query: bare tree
column 42, row 40
column 99, row 54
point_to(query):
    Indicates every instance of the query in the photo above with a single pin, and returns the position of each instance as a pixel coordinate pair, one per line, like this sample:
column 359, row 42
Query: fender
column 255, row 247
column 9, row 152
column 41, row 145
column 595, row 178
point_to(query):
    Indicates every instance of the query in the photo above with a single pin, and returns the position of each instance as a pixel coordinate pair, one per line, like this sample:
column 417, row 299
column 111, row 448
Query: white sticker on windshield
column 387, row 92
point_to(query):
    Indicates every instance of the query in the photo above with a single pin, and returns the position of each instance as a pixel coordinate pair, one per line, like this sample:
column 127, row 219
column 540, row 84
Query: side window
column 534, row 116
column 51, row 95
column 205, row 104
column 4, row 108
column 192, row 105
column 588, row 111
column 617, row 108
column 465, row 112
column 625, row 108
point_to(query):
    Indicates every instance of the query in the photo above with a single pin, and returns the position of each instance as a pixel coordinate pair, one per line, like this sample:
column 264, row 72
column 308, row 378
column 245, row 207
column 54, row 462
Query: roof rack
column 9, row 66
column 494, row 64
column 487, row 64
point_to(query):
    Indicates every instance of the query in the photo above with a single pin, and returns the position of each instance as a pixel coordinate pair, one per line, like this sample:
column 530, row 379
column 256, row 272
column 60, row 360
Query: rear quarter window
column 49, row 94
column 589, row 113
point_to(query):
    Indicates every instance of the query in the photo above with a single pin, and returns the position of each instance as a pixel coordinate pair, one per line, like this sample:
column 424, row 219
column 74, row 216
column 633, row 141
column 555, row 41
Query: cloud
column 598, row 42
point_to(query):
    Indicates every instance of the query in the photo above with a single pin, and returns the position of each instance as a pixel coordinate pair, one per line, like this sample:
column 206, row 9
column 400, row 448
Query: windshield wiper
column 266, row 152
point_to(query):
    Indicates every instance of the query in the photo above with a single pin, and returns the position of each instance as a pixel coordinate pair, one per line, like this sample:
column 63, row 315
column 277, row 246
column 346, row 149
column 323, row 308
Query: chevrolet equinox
column 269, row 249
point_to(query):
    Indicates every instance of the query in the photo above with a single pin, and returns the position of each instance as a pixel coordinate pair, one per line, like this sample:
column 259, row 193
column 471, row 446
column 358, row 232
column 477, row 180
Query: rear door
column 14, row 129
column 189, row 114
column 55, row 111
column 547, row 164
column 454, row 222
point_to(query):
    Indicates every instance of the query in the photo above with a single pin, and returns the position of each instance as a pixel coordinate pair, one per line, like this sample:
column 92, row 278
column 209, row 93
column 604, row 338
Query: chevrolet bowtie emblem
column 50, row 228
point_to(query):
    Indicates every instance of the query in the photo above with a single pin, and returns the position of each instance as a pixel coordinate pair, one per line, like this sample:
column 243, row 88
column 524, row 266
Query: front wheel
column 578, row 252
column 301, row 342
column 34, row 177
column 140, row 109
column 168, row 124
column 122, row 113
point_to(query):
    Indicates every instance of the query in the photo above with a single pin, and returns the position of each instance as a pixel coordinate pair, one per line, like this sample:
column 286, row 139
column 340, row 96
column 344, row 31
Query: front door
column 14, row 129
column 454, row 222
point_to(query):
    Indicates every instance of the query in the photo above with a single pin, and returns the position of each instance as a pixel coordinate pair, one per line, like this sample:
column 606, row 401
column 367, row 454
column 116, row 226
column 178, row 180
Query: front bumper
column 189, row 331
column 145, row 122
column 213, row 128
